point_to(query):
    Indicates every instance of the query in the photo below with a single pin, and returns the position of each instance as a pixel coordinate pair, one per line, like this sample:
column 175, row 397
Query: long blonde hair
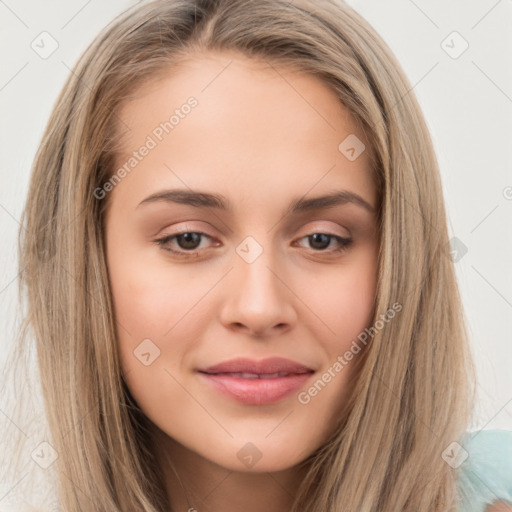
column 414, row 393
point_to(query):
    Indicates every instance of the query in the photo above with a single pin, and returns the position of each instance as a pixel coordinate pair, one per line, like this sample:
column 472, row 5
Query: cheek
column 343, row 301
column 150, row 298
column 159, row 325
column 343, row 305
column 154, row 302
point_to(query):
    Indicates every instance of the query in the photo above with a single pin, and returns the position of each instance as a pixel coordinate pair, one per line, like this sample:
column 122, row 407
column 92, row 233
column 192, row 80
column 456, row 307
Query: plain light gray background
column 466, row 96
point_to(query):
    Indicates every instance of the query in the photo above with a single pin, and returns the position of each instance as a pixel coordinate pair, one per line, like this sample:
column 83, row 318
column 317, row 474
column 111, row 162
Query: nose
column 258, row 300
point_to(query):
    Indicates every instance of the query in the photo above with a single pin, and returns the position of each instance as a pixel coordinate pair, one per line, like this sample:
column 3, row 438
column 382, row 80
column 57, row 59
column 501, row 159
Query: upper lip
column 265, row 366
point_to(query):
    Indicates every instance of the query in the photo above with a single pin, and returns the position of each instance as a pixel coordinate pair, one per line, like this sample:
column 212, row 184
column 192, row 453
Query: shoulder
column 485, row 474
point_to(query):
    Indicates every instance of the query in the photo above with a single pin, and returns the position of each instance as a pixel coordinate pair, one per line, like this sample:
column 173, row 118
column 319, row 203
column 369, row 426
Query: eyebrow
column 207, row 200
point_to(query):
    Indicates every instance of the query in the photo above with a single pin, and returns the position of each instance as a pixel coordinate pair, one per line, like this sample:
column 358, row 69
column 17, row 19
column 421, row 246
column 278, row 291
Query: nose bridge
column 254, row 263
column 255, row 268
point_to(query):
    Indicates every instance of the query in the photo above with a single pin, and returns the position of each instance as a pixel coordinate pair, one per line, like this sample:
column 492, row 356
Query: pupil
column 322, row 238
column 189, row 238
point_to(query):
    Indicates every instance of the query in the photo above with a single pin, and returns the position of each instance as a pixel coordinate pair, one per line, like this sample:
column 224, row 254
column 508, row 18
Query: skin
column 261, row 136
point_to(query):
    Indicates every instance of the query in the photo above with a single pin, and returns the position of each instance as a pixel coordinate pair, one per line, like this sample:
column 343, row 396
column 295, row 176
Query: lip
column 264, row 366
column 261, row 386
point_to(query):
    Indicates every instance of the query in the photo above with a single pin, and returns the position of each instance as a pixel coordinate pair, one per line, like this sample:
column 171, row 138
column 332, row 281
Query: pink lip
column 269, row 365
column 257, row 391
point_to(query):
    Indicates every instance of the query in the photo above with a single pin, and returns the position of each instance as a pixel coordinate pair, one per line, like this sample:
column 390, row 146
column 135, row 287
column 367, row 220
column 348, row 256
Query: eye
column 188, row 243
column 321, row 241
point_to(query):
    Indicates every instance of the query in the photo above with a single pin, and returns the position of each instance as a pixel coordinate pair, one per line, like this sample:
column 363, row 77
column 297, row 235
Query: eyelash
column 344, row 243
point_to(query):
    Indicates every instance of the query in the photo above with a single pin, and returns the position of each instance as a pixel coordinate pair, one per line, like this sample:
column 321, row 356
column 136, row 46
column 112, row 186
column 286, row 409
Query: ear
column 499, row 506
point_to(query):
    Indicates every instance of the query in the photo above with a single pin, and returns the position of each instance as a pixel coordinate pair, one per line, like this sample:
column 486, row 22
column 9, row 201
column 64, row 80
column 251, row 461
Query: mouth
column 256, row 389
column 269, row 366
column 246, row 375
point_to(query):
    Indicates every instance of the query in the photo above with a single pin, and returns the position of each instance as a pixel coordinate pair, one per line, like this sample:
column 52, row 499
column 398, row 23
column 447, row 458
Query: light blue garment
column 486, row 474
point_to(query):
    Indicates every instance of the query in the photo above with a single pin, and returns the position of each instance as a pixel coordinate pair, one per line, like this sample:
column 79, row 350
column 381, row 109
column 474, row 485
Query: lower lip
column 257, row 391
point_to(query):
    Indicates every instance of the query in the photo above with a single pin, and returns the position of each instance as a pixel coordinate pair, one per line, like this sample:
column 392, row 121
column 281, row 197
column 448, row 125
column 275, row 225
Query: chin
column 259, row 457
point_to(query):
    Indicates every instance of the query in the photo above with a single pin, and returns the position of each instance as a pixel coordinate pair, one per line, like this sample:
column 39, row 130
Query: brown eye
column 188, row 240
column 185, row 243
column 321, row 241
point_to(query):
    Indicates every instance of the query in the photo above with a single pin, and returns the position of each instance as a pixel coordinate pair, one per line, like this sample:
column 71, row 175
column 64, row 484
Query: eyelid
column 185, row 227
column 319, row 227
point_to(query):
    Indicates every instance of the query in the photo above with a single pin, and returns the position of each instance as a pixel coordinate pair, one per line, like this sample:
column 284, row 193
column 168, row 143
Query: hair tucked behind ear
column 415, row 387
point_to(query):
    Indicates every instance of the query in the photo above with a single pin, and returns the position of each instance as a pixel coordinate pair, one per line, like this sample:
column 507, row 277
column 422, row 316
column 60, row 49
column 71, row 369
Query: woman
column 238, row 276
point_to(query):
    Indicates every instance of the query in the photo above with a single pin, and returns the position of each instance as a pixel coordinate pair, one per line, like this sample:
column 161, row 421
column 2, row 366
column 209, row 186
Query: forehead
column 255, row 124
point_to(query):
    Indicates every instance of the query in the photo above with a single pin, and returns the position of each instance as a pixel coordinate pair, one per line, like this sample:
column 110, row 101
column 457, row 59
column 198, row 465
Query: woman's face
column 263, row 271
